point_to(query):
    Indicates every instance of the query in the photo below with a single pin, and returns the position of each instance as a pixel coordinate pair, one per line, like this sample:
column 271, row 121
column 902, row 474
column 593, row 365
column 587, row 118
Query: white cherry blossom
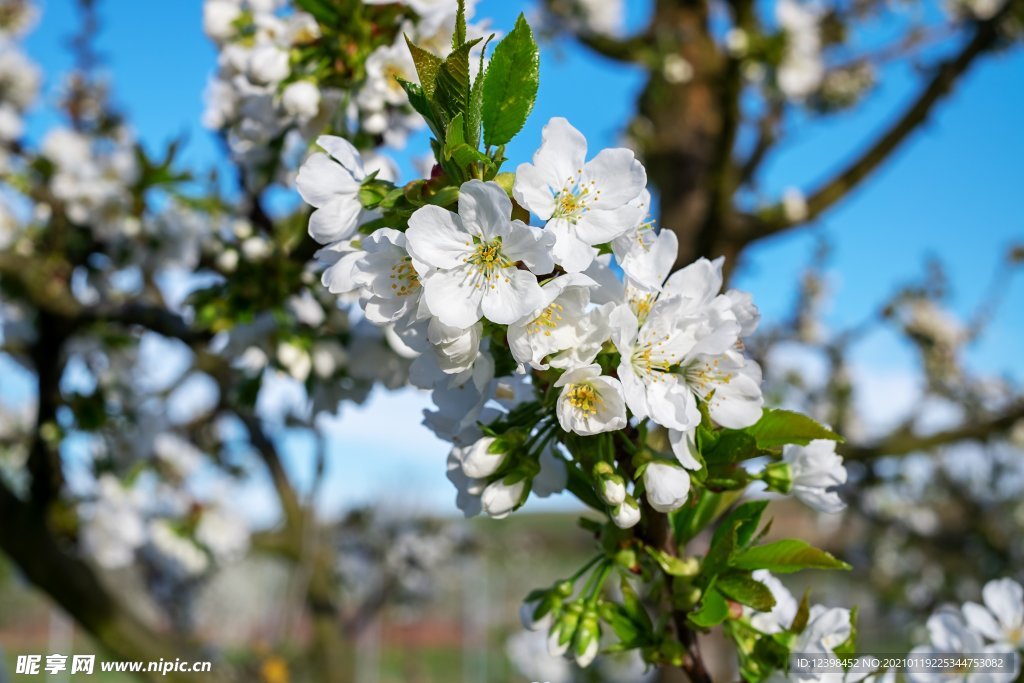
column 467, row 261
column 590, row 403
column 330, row 182
column 1001, row 618
column 816, row 470
column 390, row 278
column 556, row 326
column 585, row 203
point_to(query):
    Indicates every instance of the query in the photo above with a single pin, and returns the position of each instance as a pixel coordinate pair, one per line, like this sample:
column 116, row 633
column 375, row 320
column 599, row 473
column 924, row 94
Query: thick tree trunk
column 686, row 132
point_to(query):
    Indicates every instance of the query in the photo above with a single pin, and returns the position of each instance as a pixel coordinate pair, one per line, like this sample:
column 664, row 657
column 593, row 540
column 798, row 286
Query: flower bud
column 301, row 99
column 268, row 64
column 779, row 477
column 561, row 634
column 612, row 489
column 502, row 497
column 219, row 17
column 627, row 514
column 484, row 458
column 537, row 615
column 667, row 486
column 587, row 639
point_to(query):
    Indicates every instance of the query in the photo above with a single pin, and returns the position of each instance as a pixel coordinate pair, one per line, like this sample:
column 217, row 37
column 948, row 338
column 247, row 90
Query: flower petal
column 335, row 220
column 436, row 238
column 454, row 296
column 320, row 179
column 346, row 154
column 483, row 207
column 511, row 296
column 618, row 176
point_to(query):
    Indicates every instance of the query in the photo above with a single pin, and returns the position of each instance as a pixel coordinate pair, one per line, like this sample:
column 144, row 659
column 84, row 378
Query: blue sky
column 952, row 192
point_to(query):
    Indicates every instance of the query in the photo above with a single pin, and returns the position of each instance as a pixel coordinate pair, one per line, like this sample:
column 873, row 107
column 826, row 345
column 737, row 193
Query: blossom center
column 575, row 198
column 405, row 280
column 641, row 306
column 546, row 321
column 584, row 398
column 488, row 261
column 705, row 376
column 650, row 359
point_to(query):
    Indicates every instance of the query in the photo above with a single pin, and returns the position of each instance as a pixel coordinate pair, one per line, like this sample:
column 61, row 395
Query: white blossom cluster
column 20, row 77
column 803, row 68
column 92, row 179
column 475, row 290
column 120, row 520
column 403, row 558
column 270, row 107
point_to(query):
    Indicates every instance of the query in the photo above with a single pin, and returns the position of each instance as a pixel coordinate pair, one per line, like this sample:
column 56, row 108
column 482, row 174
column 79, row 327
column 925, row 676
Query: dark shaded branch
column 44, row 461
column 630, row 50
column 767, row 134
column 941, row 84
column 289, row 499
column 904, row 442
column 162, row 321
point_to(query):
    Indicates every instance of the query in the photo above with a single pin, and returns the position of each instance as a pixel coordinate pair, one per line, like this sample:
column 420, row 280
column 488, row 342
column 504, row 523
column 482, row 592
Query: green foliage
column 427, row 67
column 690, row 520
column 510, row 85
column 731, row 447
column 777, row 428
column 787, row 556
column 713, row 610
column 451, row 89
column 744, row 589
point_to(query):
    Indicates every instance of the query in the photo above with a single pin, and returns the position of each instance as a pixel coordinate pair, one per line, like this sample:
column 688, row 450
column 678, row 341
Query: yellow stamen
column 584, row 398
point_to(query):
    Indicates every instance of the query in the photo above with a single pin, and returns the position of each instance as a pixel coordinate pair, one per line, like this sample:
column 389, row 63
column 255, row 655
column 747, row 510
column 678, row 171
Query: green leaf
column 625, row 628
column 455, row 135
column 451, row 92
column 770, row 654
column 719, row 556
column 777, row 428
column 466, row 156
column 748, row 516
column 419, row 101
column 322, row 10
column 786, row 556
column 713, row 610
column 690, row 520
column 634, row 607
column 673, row 565
column 742, row 588
column 803, row 613
column 459, row 37
column 579, row 485
column 510, row 85
column 427, row 66
column 732, row 446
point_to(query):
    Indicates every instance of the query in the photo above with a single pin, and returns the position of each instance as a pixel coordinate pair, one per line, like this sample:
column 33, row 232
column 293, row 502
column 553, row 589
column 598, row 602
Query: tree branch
column 627, row 50
column 904, row 442
column 831, row 192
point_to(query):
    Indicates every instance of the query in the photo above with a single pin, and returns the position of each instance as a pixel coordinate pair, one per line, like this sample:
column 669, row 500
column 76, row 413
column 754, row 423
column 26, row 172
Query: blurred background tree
column 167, row 350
